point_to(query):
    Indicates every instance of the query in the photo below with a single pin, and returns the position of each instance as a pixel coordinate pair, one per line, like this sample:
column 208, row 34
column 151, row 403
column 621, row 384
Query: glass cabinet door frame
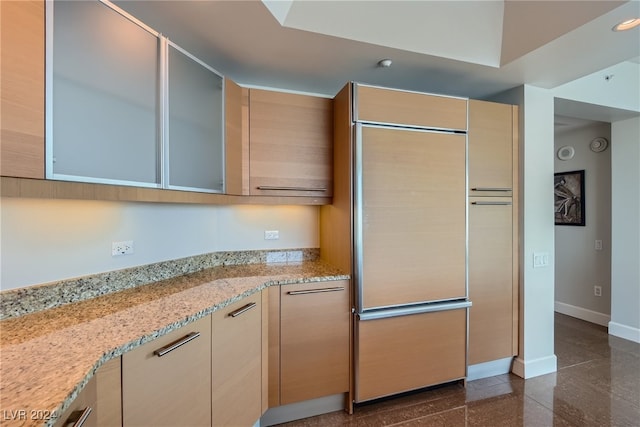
column 161, row 113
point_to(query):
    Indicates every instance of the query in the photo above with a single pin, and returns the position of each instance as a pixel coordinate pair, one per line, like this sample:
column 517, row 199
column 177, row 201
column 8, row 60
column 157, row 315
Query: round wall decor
column 566, row 153
column 599, row 144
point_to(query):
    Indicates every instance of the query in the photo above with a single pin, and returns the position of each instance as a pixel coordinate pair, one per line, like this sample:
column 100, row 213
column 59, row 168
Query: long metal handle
column 182, row 341
column 418, row 309
column 242, row 309
column 270, row 187
column 83, row 417
column 491, row 203
column 316, row 291
column 490, row 189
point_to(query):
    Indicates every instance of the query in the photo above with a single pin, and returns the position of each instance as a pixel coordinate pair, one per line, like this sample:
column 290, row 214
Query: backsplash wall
column 48, row 240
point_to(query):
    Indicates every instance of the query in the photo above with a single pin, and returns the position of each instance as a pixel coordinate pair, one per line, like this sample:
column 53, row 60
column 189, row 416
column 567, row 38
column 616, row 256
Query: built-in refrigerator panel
column 410, row 216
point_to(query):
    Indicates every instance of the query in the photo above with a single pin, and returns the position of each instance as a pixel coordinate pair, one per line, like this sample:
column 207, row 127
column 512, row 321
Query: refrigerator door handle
column 415, row 309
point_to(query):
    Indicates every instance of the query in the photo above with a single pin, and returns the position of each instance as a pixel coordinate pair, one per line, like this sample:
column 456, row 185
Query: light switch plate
column 540, row 259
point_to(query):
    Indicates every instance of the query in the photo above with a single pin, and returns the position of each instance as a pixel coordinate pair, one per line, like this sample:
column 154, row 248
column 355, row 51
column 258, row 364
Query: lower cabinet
column 83, row 411
column 314, row 340
column 167, row 382
column 237, row 363
column 398, row 354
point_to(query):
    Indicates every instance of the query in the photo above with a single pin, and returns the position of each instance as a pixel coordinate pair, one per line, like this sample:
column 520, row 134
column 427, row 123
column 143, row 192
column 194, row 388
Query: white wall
column 625, row 278
column 48, row 240
column 578, row 265
column 536, row 347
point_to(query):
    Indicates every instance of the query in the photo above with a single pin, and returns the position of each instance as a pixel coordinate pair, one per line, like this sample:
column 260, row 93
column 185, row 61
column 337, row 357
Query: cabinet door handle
column 242, row 309
column 84, row 415
column 490, row 189
column 274, row 188
column 491, row 203
column 316, row 291
column 182, row 341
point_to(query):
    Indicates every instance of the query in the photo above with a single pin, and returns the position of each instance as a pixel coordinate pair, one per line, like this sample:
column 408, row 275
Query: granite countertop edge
column 257, row 284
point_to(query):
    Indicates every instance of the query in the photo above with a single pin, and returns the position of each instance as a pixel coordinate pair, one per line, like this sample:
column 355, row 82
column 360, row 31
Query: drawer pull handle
column 491, row 203
column 275, row 188
column 316, row 291
column 242, row 310
column 490, row 189
column 84, row 415
column 182, row 341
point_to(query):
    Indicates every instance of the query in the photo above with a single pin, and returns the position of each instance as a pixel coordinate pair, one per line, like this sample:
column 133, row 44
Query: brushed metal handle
column 491, row 203
column 490, row 189
column 270, row 187
column 316, row 291
column 83, row 417
column 182, row 341
column 242, row 309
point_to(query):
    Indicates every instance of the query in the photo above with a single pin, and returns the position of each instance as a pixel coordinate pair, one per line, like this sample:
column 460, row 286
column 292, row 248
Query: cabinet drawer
column 172, row 389
column 380, row 105
column 405, row 353
column 83, row 407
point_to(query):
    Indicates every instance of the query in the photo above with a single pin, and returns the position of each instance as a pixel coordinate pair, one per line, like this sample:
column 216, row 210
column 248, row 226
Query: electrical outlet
column 598, row 245
column 122, row 248
column 271, row 235
column 597, row 291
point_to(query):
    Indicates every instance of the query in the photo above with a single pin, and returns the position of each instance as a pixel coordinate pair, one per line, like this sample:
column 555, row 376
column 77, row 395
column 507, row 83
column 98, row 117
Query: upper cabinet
column 289, row 147
column 22, row 89
column 492, row 135
column 135, row 109
column 391, row 106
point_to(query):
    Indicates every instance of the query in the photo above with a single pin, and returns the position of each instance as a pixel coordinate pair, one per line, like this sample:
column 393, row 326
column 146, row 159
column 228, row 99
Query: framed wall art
column 568, row 193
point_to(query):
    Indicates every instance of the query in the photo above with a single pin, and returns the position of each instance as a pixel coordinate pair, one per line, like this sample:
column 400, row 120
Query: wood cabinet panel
column 171, row 390
column 413, row 217
column 291, row 139
column 491, row 242
column 85, row 401
column 236, row 139
column 491, row 145
column 405, row 353
column 109, row 393
column 22, row 69
column 237, row 363
column 381, row 105
column 314, row 340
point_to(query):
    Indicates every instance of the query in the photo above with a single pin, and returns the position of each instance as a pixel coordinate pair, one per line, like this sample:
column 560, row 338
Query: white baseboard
column 623, row 331
column 583, row 313
column 533, row 368
column 489, row 369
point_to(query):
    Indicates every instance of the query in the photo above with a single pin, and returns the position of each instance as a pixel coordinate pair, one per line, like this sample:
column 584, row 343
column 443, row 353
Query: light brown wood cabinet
column 288, row 143
column 313, row 335
column 492, row 151
column 22, row 128
column 493, row 231
column 167, row 381
column 398, row 107
column 99, row 401
column 404, row 353
column 237, row 363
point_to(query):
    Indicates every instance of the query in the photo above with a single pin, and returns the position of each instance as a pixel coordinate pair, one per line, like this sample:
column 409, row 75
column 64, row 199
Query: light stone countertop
column 47, row 357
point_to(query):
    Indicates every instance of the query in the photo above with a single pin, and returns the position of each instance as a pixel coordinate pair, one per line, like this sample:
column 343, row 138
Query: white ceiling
column 459, row 47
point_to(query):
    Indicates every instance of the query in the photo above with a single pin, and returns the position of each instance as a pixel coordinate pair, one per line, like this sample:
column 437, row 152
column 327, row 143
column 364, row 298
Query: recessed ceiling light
column 627, row 25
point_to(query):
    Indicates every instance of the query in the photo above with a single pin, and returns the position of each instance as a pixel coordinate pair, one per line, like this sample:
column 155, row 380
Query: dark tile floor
column 597, row 384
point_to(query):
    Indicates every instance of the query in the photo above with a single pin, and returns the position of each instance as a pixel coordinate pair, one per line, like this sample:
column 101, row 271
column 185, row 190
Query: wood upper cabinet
column 314, row 340
column 237, row 363
column 492, row 148
column 291, row 140
column 492, row 279
column 167, row 382
column 391, row 106
column 22, row 128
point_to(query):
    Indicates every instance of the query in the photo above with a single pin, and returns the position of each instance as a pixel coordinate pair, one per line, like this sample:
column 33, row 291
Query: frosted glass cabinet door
column 195, row 124
column 104, row 101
